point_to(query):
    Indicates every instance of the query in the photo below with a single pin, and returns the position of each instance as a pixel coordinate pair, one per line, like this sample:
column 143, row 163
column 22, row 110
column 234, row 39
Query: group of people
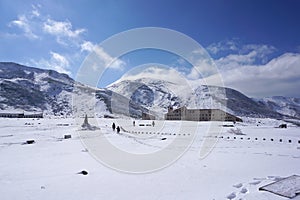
column 118, row 128
column 114, row 127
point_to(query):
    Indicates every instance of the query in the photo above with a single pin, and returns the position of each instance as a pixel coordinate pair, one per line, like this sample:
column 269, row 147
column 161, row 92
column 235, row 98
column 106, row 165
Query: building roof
column 19, row 112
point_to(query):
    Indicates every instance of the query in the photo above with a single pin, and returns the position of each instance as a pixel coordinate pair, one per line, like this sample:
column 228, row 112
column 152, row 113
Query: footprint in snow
column 259, row 179
column 239, row 185
column 255, row 182
column 244, row 190
column 282, row 155
column 296, row 156
column 231, row 196
column 274, row 178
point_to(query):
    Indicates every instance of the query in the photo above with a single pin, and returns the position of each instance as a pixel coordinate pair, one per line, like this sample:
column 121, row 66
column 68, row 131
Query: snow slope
column 285, row 105
column 158, row 95
column 235, row 169
column 30, row 89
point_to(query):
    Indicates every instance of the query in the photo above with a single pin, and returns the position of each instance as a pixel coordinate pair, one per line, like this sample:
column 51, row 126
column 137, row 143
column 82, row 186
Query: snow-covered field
column 236, row 167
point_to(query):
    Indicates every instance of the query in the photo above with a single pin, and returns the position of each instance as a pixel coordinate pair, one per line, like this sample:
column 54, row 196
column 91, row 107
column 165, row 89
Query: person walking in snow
column 133, row 123
column 153, row 123
column 118, row 129
column 113, row 126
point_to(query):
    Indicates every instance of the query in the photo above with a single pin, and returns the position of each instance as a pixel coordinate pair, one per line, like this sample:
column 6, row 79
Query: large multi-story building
column 184, row 113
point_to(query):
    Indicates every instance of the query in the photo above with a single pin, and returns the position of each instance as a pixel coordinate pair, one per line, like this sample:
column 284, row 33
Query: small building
column 184, row 113
column 12, row 115
column 33, row 115
column 147, row 116
column 20, row 115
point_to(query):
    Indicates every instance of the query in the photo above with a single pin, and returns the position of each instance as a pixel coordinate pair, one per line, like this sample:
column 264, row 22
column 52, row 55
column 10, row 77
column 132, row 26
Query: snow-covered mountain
column 30, row 89
column 285, row 105
column 158, row 95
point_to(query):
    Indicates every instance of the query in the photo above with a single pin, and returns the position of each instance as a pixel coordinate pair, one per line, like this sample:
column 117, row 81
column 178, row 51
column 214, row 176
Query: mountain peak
column 157, row 95
column 32, row 89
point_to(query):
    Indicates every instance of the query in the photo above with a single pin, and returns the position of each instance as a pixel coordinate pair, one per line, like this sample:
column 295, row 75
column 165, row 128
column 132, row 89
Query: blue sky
column 255, row 44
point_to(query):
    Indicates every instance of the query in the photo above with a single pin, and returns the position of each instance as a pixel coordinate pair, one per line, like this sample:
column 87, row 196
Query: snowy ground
column 237, row 166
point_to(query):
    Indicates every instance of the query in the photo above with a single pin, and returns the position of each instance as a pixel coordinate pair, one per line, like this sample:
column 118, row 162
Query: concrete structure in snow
column 184, row 113
column 287, row 187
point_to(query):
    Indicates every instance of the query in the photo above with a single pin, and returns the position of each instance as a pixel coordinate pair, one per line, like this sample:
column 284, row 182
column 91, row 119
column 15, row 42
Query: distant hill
column 37, row 90
column 158, row 95
column 31, row 89
column 285, row 105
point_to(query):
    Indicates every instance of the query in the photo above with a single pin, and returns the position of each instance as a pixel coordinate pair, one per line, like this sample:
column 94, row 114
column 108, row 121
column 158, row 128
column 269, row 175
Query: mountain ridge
column 199, row 96
column 55, row 94
column 34, row 89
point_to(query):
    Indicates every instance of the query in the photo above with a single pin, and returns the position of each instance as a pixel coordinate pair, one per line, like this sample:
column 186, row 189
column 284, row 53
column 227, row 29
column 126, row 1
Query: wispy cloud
column 226, row 45
column 232, row 61
column 35, row 10
column 202, row 68
column 233, row 50
column 60, row 63
column 87, row 46
column 35, row 25
column 154, row 71
column 63, row 31
column 70, row 41
column 279, row 76
column 23, row 23
column 56, row 61
column 198, row 65
column 107, row 60
column 250, row 68
column 235, row 54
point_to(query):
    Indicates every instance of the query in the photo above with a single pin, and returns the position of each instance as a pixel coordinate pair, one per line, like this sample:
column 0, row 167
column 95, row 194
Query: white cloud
column 200, row 64
column 226, row 45
column 262, row 51
column 249, row 69
column 87, row 46
column 23, row 23
column 62, row 30
column 35, row 10
column 56, row 62
column 236, row 60
column 233, row 53
column 107, row 60
column 60, row 62
column 261, row 48
column 248, row 55
column 280, row 76
column 36, row 25
column 155, row 71
column 203, row 67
